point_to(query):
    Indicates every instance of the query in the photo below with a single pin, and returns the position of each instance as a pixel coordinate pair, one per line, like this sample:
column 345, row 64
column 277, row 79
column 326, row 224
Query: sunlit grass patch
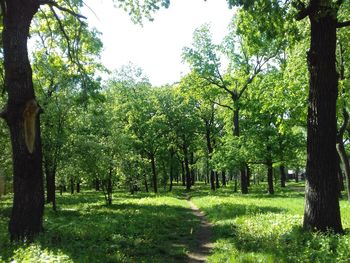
column 262, row 228
column 135, row 228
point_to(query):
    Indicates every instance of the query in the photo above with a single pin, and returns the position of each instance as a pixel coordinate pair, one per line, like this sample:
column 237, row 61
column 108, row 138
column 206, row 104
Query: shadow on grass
column 126, row 231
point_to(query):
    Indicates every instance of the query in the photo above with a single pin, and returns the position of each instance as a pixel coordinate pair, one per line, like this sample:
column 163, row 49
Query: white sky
column 157, row 46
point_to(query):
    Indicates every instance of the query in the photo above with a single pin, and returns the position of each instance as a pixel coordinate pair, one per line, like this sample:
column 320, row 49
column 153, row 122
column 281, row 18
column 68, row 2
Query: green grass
column 263, row 228
column 160, row 228
column 139, row 228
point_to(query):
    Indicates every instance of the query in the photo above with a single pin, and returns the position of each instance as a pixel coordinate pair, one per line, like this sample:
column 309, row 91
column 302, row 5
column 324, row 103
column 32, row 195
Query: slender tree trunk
column 97, row 184
column 236, row 132
column 183, row 176
column 235, row 189
column 171, row 170
column 223, row 175
column 217, row 180
column 145, row 182
column 322, row 210
column 248, row 175
column 50, row 185
column 270, row 176
column 154, row 174
column 187, row 169
column 109, row 187
column 283, row 175
column 71, row 186
column 22, row 116
column 212, row 180
column 244, row 183
column 78, row 187
column 345, row 160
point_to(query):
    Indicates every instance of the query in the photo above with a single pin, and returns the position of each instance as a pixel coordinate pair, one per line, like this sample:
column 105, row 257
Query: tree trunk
column 154, row 174
column 71, row 185
column 145, row 182
column 248, row 175
column 22, row 116
column 345, row 160
column 183, row 176
column 50, row 185
column 322, row 210
column 171, row 170
column 212, row 180
column 244, row 183
column 217, row 180
column 283, row 175
column 97, row 184
column 235, row 189
column 223, row 175
column 78, row 187
column 270, row 176
column 187, row 169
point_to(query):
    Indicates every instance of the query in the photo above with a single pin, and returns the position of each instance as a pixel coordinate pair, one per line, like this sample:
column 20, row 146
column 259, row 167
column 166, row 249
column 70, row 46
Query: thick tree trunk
column 22, row 117
column 154, row 174
column 283, row 175
column 322, row 210
column 270, row 177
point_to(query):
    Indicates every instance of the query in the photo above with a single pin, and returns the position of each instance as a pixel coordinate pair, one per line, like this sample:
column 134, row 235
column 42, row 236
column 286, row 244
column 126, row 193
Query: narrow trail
column 203, row 236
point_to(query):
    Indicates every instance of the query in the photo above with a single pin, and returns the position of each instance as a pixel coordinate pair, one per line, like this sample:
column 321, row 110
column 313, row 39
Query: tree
column 321, row 205
column 22, row 110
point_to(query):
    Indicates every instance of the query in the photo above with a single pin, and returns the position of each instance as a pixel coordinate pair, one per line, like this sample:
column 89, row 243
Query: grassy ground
column 148, row 228
column 139, row 228
column 263, row 228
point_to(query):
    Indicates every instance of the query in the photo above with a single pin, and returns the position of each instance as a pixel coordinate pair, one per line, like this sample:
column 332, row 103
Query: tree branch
column 3, row 114
column 53, row 3
column 343, row 24
column 222, row 105
column 63, row 32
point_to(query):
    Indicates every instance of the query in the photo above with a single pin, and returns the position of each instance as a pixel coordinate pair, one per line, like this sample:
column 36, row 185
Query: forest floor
column 162, row 228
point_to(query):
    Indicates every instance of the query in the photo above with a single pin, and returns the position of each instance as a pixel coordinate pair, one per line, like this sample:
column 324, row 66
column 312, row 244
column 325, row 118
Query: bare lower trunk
column 22, row 117
column 322, row 210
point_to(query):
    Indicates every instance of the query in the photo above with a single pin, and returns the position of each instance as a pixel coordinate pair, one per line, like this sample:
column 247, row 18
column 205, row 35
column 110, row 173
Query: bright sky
column 157, row 46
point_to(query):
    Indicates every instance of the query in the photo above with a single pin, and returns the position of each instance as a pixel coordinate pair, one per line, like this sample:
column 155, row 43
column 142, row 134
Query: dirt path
column 203, row 236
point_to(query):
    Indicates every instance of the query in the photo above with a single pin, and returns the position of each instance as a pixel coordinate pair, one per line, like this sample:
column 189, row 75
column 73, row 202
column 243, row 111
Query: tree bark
column 22, row 117
column 217, row 180
column 71, row 185
column 154, row 174
column 78, row 187
column 187, row 169
column 50, row 185
column 345, row 160
column 270, row 177
column 283, row 175
column 322, row 210
column 145, row 182
column 183, row 176
column 223, row 175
